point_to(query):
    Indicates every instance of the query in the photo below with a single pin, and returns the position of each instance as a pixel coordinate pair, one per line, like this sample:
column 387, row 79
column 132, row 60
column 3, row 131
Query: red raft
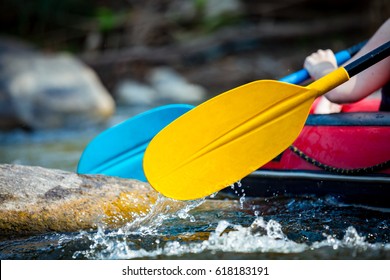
column 345, row 155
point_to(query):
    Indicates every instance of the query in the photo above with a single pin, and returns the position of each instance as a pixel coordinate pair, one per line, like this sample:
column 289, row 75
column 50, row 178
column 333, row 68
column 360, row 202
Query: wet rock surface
column 36, row 200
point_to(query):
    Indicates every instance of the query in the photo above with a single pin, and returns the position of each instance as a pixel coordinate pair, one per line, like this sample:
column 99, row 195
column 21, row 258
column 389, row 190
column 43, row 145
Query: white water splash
column 261, row 236
column 351, row 239
column 146, row 237
column 114, row 245
column 163, row 210
column 252, row 239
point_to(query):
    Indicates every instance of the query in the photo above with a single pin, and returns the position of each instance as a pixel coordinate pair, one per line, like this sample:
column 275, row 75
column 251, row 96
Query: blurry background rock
column 131, row 92
column 164, row 86
column 51, row 91
column 172, row 86
column 209, row 44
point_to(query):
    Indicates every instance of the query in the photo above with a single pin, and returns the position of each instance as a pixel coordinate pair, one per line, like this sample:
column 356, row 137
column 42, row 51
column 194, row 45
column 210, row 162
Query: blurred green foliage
column 65, row 22
column 23, row 17
column 207, row 24
column 108, row 19
column 211, row 24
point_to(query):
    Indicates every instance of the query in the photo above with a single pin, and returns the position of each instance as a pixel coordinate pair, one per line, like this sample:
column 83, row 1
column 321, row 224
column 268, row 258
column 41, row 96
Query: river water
column 302, row 227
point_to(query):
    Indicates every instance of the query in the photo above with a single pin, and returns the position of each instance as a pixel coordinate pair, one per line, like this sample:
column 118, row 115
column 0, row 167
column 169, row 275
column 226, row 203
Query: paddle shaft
column 368, row 59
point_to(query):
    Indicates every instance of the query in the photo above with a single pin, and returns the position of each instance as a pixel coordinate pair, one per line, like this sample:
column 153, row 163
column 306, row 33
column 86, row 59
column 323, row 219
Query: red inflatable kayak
column 346, row 155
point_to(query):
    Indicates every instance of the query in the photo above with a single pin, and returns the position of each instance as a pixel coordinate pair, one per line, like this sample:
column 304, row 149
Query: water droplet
column 213, row 195
column 242, row 200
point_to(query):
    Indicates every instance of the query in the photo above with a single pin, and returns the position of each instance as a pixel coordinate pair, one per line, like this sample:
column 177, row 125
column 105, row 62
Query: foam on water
column 351, row 239
column 146, row 238
column 261, row 236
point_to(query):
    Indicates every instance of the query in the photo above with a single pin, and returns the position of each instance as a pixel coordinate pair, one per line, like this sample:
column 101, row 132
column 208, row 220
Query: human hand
column 324, row 106
column 320, row 63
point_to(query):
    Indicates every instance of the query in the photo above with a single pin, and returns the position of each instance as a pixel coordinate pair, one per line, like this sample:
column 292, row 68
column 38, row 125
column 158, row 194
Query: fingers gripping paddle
column 233, row 134
column 119, row 150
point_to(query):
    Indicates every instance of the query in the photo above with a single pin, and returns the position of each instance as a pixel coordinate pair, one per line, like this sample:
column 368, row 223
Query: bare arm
column 364, row 83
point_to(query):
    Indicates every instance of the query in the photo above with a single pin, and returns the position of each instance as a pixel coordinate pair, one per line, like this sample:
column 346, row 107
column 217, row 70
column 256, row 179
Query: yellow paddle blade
column 226, row 138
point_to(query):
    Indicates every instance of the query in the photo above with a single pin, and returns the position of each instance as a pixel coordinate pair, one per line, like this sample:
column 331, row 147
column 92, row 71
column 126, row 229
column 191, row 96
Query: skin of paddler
column 358, row 87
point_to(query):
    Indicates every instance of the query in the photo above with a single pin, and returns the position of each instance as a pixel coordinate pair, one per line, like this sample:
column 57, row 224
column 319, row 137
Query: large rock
column 50, row 91
column 38, row 200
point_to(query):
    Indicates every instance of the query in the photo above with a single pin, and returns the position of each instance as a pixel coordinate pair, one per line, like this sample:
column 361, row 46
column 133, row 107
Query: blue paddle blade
column 119, row 150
